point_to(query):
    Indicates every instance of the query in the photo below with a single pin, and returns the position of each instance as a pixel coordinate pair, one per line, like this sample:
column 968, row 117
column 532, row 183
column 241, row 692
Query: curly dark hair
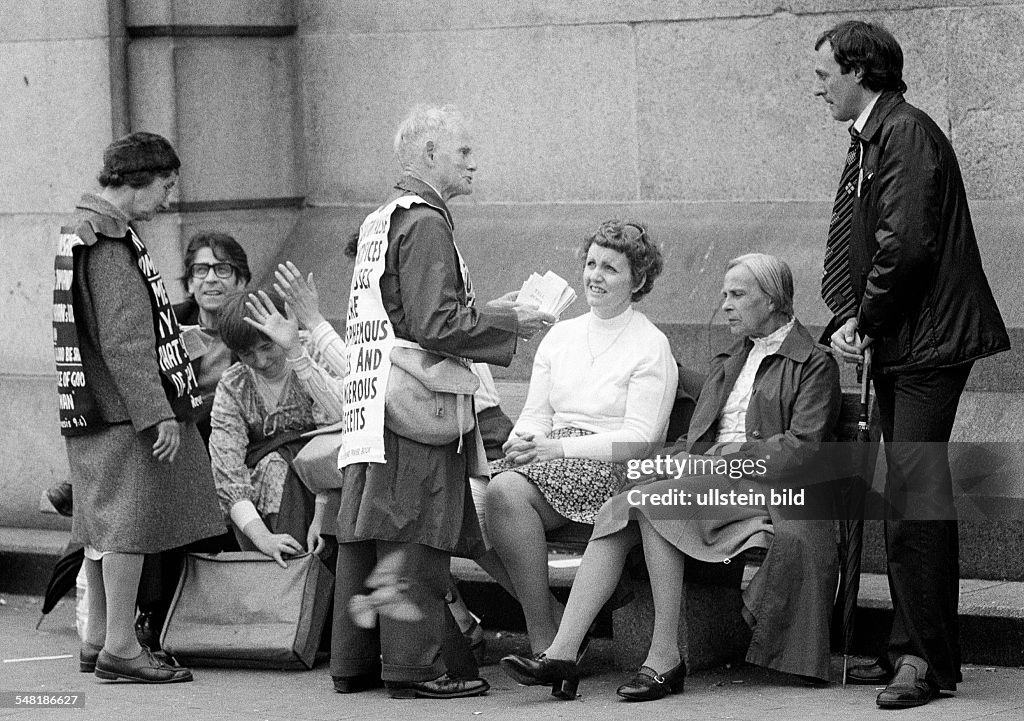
column 870, row 48
column 632, row 240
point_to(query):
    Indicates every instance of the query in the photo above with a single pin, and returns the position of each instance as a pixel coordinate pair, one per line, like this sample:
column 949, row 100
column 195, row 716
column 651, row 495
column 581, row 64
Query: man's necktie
column 836, row 286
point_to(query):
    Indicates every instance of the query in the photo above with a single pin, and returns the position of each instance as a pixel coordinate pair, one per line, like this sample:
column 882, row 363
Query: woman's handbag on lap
column 241, row 609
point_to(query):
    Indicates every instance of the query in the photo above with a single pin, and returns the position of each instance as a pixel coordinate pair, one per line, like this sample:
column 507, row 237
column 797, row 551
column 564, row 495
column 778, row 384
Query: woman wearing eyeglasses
column 215, row 265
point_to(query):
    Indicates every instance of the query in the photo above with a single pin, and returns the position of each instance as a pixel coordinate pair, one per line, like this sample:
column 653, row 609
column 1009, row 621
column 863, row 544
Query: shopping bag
column 242, row 610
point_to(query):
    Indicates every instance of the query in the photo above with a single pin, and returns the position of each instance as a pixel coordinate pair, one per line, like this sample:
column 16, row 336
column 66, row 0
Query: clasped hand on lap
column 525, row 448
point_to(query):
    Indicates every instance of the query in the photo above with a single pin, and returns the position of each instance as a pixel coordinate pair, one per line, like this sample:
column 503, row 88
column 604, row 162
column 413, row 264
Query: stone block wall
column 695, row 116
column 219, row 80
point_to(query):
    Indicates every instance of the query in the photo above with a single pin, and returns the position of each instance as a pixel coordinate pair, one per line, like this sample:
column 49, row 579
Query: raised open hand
column 300, row 294
column 264, row 316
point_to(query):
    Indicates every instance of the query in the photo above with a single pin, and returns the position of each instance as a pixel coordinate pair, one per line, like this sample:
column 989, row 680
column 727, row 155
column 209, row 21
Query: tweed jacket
column 119, row 358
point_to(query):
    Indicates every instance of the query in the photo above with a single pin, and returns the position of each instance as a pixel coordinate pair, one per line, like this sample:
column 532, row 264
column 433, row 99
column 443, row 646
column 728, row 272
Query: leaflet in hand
column 196, row 341
column 549, row 292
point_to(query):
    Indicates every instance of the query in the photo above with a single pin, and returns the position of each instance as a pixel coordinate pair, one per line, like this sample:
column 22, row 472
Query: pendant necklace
column 590, row 350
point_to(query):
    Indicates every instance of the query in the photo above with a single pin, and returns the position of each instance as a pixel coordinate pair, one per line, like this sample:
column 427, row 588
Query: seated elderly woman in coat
column 769, row 401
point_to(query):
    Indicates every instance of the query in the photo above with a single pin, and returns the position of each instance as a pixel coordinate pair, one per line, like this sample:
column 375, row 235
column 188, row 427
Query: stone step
column 27, row 556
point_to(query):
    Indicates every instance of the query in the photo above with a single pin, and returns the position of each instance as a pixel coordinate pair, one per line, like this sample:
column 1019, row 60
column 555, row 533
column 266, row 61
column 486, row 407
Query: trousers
column 400, row 650
column 922, row 544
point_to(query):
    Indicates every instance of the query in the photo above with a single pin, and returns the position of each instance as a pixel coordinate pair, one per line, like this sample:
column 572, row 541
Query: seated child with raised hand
column 263, row 404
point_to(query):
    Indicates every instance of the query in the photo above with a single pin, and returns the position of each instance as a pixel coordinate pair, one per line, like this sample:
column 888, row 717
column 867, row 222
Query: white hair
column 425, row 123
column 773, row 276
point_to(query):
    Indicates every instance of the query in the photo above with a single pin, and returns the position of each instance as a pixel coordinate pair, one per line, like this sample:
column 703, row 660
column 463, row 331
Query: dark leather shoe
column 869, row 674
column 355, row 684
column 87, row 656
column 62, row 498
column 562, row 676
column 908, row 688
column 648, row 685
column 443, row 686
column 144, row 668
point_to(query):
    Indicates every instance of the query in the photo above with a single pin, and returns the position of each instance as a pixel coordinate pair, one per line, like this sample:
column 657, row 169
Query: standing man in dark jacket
column 903, row 277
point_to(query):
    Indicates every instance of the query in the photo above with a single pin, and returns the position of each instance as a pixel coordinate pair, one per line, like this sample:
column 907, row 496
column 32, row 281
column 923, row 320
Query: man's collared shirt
column 862, row 119
column 855, row 130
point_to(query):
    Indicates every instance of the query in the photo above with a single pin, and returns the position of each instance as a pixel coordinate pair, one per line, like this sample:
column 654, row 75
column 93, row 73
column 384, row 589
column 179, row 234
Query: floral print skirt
column 575, row 487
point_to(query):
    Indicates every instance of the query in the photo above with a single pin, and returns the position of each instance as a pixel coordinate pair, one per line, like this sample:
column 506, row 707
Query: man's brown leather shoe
column 908, row 688
column 443, row 686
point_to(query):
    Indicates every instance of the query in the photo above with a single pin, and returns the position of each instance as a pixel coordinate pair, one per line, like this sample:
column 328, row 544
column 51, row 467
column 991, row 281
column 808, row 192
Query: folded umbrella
column 851, row 493
column 62, row 580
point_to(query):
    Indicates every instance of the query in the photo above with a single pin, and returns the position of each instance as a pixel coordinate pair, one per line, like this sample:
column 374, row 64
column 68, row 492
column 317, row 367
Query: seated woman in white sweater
column 601, row 391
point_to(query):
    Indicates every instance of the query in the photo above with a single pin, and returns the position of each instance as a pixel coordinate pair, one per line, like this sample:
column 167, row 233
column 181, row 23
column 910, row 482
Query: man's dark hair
column 869, row 48
column 224, row 248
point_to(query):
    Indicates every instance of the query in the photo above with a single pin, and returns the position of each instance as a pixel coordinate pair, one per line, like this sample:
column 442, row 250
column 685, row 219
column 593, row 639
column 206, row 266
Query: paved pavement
column 743, row 692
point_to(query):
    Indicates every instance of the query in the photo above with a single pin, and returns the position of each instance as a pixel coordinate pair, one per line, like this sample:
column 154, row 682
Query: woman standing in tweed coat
column 127, row 397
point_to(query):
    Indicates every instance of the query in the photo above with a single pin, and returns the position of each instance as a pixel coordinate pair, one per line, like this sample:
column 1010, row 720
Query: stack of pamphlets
column 549, row 292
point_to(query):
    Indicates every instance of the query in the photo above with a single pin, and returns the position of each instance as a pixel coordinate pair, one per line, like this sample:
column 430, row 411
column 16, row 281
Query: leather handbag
column 241, row 609
column 429, row 396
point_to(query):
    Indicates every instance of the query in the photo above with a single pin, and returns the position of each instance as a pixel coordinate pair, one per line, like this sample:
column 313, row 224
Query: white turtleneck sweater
column 615, row 377
column 732, row 424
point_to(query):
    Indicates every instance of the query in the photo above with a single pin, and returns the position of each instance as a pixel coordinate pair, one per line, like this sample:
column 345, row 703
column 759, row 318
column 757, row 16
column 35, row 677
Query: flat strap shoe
column 443, row 686
column 909, row 687
column 87, row 656
column 648, row 685
column 144, row 668
column 869, row 674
